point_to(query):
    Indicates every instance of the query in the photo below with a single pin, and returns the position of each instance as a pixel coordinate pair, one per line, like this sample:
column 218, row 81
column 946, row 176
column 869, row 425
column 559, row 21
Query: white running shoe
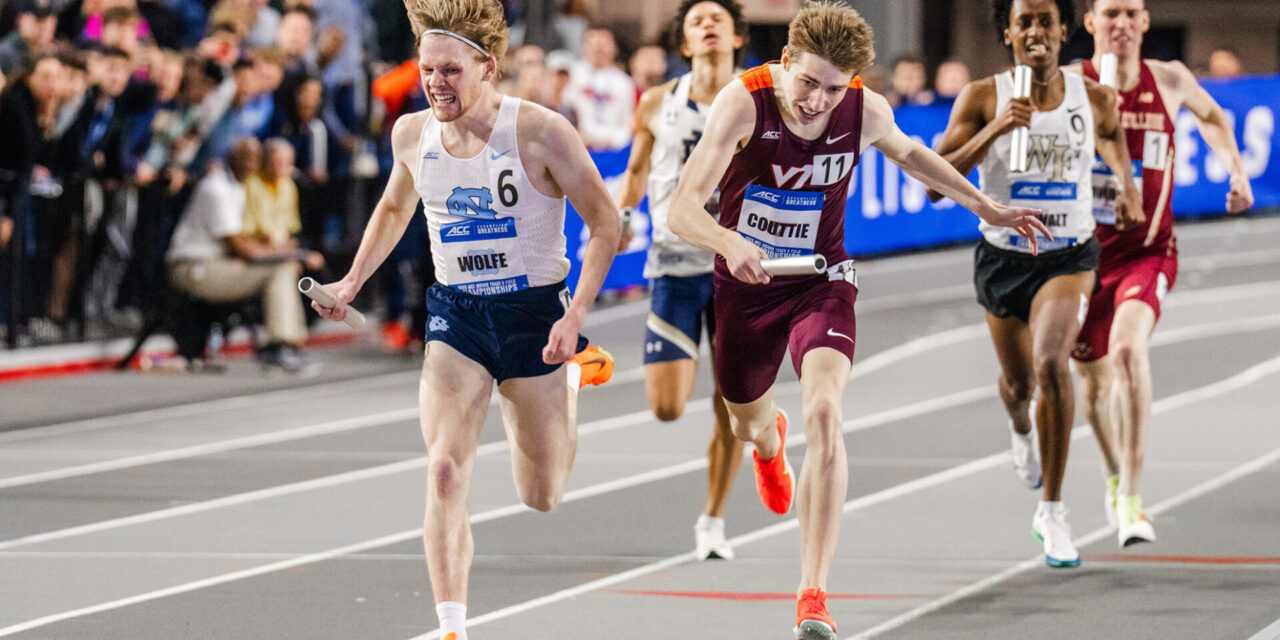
column 1025, row 450
column 1113, row 485
column 1050, row 526
column 1133, row 527
column 709, row 536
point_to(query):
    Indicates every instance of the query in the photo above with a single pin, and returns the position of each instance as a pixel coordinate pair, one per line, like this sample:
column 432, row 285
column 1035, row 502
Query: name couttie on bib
column 782, row 223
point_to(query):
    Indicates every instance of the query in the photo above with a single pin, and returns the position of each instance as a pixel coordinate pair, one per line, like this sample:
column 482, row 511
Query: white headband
column 446, row 32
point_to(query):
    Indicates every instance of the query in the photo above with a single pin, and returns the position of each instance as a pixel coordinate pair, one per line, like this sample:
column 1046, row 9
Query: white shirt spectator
column 604, row 100
column 215, row 212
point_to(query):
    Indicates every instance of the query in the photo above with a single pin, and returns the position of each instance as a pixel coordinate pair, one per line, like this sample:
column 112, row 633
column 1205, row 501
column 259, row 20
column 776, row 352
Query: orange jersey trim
column 757, row 78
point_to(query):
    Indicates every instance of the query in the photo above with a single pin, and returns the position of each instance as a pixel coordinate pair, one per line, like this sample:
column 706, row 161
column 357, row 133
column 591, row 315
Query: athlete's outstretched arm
column 969, row 134
column 1214, row 127
column 879, row 130
column 561, row 151
column 730, row 123
column 390, row 217
column 634, row 179
column 1111, row 145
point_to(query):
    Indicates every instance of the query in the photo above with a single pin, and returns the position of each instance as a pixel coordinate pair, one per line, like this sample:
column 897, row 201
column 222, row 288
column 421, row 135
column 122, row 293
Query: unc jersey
column 491, row 231
column 676, row 131
column 1059, row 176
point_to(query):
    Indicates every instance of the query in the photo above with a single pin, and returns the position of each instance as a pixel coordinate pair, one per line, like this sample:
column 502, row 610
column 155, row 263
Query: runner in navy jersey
column 1138, row 266
column 782, row 141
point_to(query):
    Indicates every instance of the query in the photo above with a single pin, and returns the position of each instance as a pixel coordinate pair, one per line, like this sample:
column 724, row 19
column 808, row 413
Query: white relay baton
column 316, row 291
column 795, row 266
column 1107, row 73
column 1019, row 137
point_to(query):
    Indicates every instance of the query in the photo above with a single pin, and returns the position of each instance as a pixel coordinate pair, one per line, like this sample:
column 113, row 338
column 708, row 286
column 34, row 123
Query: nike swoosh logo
column 831, row 140
column 495, row 156
column 833, row 332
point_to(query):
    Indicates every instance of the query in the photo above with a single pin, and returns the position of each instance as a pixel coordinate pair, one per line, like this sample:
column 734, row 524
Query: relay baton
column 1107, row 74
column 316, row 291
column 795, row 266
column 1019, row 136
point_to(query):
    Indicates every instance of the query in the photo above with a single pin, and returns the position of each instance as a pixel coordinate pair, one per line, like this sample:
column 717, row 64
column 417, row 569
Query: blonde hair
column 480, row 21
column 833, row 32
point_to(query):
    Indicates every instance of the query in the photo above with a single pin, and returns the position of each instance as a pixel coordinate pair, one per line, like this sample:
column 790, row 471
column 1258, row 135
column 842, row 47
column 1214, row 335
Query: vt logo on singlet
column 828, row 168
column 473, row 203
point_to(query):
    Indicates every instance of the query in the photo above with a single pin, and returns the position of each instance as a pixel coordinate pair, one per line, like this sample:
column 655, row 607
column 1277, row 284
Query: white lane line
column 935, row 404
column 248, row 400
column 1096, row 535
column 336, row 426
column 1240, row 380
column 1272, row 632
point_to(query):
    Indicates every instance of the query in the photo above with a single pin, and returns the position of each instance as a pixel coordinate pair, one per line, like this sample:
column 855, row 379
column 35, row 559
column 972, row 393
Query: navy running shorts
column 504, row 333
column 679, row 309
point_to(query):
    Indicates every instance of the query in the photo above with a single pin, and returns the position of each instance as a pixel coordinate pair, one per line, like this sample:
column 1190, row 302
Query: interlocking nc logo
column 438, row 324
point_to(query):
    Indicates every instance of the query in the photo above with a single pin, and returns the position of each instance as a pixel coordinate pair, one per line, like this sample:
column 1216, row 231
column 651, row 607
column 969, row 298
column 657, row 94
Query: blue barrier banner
column 888, row 210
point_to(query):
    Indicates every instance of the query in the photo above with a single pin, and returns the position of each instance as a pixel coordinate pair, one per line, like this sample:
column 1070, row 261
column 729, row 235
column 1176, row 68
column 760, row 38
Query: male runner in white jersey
column 782, row 141
column 669, row 121
column 493, row 173
column 1035, row 303
column 1138, row 266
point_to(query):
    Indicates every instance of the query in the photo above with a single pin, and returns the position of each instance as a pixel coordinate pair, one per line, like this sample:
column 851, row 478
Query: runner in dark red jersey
column 781, row 141
column 1138, row 266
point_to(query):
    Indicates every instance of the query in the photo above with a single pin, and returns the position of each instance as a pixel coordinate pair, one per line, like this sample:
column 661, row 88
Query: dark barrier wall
column 888, row 210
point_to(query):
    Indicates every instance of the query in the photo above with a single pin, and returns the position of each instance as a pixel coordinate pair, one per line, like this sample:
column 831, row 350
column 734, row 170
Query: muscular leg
column 669, row 385
column 724, row 456
column 1012, row 341
column 541, row 418
column 1097, row 379
column 1130, row 335
column 824, row 475
column 755, row 422
column 1055, row 323
column 453, row 395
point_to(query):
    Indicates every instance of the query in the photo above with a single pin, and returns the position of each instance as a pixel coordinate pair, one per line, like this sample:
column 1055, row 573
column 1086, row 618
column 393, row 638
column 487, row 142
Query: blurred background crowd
column 213, row 150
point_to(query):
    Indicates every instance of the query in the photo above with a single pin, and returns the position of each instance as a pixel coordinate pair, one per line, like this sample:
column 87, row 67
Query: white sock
column 574, row 371
column 453, row 620
column 708, row 523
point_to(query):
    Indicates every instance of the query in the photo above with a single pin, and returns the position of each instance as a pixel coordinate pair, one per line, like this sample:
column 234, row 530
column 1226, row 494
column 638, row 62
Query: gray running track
column 258, row 506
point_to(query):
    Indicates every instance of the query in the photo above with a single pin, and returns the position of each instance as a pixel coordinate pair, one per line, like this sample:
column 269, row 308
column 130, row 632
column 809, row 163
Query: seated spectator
column 648, row 67
column 119, row 29
column 271, row 218
column 1224, row 62
column 952, row 76
column 36, row 23
column 602, row 96
column 211, row 260
column 908, row 82
column 95, row 18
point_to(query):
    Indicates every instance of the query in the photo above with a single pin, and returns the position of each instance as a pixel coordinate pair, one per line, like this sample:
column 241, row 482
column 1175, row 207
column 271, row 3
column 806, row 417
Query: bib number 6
column 507, row 193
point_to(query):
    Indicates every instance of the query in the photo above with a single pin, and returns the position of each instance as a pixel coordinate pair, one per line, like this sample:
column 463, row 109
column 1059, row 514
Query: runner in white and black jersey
column 493, row 174
column 669, row 122
column 1036, row 302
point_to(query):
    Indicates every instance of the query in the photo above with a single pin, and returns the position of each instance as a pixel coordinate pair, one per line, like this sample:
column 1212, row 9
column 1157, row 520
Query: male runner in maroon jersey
column 782, row 141
column 1139, row 265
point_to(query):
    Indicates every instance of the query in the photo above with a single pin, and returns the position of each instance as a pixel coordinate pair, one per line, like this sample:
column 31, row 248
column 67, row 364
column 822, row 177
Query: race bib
column 782, row 223
column 1105, row 188
column 484, row 256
